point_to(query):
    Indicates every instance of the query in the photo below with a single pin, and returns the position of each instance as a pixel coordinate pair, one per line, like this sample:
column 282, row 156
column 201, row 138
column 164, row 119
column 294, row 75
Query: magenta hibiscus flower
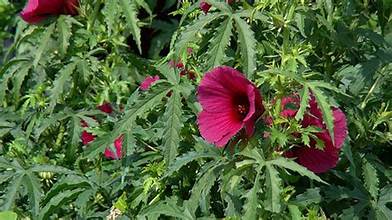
column 86, row 137
column 204, row 6
column 37, row 10
column 314, row 159
column 230, row 102
column 147, row 82
column 118, row 146
column 106, row 107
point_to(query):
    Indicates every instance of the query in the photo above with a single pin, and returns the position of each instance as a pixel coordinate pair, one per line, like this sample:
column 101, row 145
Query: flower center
column 242, row 109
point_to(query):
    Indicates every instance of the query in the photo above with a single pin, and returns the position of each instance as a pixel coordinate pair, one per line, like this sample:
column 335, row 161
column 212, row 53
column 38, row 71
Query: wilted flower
column 314, row 159
column 147, row 82
column 37, row 10
column 118, row 146
column 230, row 102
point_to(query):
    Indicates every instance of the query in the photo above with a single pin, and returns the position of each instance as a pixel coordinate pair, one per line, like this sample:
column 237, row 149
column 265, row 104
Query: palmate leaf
column 129, row 8
column 137, row 108
column 59, row 85
column 370, row 178
column 247, row 43
column 273, row 188
column 173, row 121
column 252, row 203
column 219, row 42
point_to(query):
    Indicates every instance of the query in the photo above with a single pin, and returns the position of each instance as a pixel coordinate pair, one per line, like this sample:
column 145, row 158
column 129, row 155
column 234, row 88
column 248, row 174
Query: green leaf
column 247, row 45
column 64, row 27
column 188, row 35
column 33, row 191
column 168, row 207
column 384, row 199
column 219, row 42
column 44, row 44
column 308, row 197
column 130, row 10
column 58, row 201
column 326, row 110
column 370, row 178
column 11, row 192
column 8, row 215
column 251, row 204
column 187, row 158
column 173, row 124
column 203, row 186
column 304, row 103
column 18, row 79
column 273, row 189
column 59, row 85
column 111, row 12
column 69, row 182
column 292, row 165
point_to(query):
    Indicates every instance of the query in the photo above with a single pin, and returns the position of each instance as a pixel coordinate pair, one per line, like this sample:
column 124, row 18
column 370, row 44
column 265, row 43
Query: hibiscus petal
column 218, row 128
column 316, row 160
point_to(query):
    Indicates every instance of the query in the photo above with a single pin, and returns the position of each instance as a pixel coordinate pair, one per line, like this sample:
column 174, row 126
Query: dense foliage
column 99, row 111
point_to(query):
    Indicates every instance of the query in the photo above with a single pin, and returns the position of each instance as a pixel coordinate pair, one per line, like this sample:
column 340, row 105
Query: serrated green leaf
column 251, row 204
column 247, row 45
column 326, row 110
column 370, row 178
column 59, row 85
column 219, row 42
column 18, row 79
column 44, row 44
column 292, row 165
column 188, row 35
column 304, row 103
column 65, row 32
column 173, row 124
column 111, row 12
column 273, row 188
column 130, row 10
